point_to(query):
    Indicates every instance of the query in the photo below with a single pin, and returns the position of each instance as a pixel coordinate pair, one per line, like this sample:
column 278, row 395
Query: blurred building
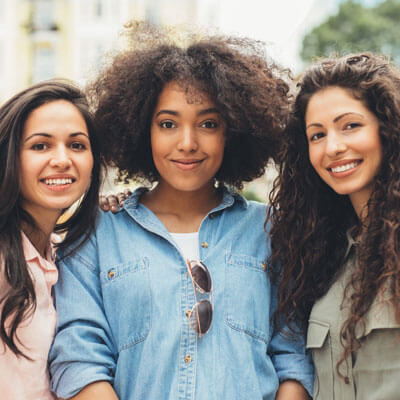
column 40, row 39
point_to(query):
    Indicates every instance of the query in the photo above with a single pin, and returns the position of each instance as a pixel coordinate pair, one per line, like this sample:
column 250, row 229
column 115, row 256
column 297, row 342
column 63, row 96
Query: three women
column 150, row 301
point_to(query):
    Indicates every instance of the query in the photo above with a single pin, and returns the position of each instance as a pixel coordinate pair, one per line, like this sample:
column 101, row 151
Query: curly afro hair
column 250, row 92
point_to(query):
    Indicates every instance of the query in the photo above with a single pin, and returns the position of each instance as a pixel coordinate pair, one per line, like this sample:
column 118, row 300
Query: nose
column 188, row 140
column 60, row 158
column 335, row 144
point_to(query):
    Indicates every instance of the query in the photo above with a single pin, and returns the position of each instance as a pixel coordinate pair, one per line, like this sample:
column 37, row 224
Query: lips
column 343, row 167
column 54, row 182
column 187, row 164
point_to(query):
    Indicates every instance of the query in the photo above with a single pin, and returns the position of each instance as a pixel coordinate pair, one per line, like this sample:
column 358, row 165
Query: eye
column 78, row 146
column 316, row 136
column 39, row 146
column 209, row 124
column 167, row 124
column 351, row 125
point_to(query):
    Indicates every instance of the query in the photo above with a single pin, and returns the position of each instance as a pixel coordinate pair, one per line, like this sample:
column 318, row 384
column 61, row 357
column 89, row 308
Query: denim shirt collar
column 229, row 198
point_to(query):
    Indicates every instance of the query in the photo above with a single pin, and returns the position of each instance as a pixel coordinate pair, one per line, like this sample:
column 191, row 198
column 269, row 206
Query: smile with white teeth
column 53, row 182
column 345, row 167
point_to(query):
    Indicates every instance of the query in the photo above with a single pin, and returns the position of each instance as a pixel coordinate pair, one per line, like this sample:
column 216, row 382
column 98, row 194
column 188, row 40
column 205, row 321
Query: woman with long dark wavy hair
column 49, row 158
column 177, row 298
column 336, row 225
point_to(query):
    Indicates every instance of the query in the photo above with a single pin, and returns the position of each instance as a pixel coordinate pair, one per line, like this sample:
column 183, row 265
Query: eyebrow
column 211, row 110
column 336, row 119
column 47, row 135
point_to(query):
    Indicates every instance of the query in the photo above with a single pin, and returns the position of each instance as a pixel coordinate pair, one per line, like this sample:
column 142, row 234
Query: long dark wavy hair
column 249, row 90
column 310, row 220
column 20, row 301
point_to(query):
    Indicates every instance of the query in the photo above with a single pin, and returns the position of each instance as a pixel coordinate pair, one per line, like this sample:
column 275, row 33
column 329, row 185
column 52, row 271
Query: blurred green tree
column 356, row 28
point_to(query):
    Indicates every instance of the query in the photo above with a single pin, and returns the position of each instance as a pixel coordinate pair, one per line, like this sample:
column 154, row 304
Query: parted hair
column 250, row 92
column 19, row 301
column 310, row 220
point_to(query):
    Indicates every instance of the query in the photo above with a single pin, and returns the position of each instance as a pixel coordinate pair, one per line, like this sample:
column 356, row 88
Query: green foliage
column 251, row 195
column 356, row 28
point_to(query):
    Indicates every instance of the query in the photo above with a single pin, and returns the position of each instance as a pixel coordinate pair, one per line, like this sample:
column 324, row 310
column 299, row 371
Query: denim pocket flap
column 114, row 272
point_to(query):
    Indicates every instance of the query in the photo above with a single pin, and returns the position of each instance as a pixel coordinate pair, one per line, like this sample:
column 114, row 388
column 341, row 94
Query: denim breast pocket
column 247, row 296
column 127, row 301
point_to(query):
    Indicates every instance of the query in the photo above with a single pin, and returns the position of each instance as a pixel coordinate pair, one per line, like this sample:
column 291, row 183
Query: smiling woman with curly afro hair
column 180, row 270
column 251, row 93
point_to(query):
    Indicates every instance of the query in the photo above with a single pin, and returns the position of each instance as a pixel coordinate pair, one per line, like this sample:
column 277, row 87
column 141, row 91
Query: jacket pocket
column 127, row 301
column 377, row 363
column 319, row 342
column 247, row 296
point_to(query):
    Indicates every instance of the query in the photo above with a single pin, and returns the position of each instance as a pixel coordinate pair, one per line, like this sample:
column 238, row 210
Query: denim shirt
column 122, row 304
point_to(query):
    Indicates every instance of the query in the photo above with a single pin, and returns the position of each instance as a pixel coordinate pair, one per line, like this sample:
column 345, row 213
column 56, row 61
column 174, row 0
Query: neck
column 181, row 211
column 359, row 201
column 39, row 235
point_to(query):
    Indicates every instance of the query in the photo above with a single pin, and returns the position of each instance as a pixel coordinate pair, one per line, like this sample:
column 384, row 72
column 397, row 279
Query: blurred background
column 41, row 39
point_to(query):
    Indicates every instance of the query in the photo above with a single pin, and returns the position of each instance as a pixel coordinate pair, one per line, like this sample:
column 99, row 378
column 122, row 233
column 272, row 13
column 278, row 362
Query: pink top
column 22, row 379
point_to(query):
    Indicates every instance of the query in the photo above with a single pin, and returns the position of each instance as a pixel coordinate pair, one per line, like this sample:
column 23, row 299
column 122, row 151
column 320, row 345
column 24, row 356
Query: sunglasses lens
column 201, row 276
column 201, row 317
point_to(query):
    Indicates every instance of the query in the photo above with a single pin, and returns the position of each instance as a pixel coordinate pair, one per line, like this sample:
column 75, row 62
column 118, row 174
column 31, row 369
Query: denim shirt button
column 111, row 273
column 263, row 266
column 211, row 216
column 188, row 359
column 204, row 245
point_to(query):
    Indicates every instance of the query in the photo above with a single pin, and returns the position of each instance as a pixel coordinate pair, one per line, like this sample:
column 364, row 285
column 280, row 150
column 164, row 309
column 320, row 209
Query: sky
column 280, row 23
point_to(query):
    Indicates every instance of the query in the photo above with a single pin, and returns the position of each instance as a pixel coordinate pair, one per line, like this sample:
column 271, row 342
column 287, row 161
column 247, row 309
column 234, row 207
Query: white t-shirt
column 188, row 244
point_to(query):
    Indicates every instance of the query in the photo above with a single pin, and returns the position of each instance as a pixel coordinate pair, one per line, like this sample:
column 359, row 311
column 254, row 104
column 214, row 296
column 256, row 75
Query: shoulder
column 254, row 210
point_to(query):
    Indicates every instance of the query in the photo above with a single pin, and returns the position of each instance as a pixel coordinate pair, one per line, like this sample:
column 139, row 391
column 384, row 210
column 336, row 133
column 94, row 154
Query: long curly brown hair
column 310, row 220
column 250, row 92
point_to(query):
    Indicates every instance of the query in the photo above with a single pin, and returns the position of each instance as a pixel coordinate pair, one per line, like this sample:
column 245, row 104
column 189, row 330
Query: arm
column 291, row 390
column 292, row 363
column 83, row 351
column 98, row 390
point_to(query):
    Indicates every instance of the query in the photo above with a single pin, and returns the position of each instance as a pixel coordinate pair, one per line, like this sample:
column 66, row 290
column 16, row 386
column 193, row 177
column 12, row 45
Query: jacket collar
column 229, row 198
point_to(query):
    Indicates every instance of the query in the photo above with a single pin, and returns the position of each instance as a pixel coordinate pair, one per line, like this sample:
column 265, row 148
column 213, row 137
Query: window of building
column 43, row 15
column 44, row 58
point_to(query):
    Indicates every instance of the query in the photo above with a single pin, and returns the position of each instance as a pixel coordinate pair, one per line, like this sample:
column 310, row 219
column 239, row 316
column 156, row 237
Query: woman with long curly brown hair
column 177, row 299
column 336, row 225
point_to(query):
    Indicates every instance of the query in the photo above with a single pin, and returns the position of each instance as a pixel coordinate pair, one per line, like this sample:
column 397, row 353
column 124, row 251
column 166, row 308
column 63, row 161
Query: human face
column 187, row 139
column 56, row 159
column 344, row 143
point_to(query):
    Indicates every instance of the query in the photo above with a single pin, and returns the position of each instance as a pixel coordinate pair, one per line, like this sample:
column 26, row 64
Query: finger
column 103, row 203
column 112, row 202
column 127, row 192
column 121, row 198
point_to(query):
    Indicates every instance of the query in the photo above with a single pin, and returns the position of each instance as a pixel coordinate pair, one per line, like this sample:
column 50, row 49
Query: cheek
column 218, row 148
column 28, row 168
column 313, row 156
column 157, row 145
column 87, row 166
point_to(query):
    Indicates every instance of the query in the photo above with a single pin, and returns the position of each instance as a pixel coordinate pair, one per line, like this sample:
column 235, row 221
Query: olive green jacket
column 374, row 371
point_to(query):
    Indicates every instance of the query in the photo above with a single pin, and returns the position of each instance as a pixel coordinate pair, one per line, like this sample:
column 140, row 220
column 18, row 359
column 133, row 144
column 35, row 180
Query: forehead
column 333, row 101
column 53, row 117
column 188, row 95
